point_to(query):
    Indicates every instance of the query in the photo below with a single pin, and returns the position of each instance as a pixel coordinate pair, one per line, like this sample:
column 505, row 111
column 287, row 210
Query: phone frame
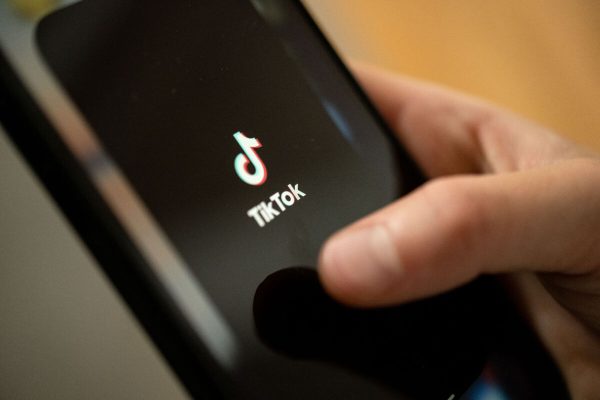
column 112, row 220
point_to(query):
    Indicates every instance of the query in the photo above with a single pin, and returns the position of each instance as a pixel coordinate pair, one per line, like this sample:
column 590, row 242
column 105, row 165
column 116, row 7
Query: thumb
column 453, row 229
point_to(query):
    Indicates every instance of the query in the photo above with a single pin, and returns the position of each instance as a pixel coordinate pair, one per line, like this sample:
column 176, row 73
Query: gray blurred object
column 65, row 333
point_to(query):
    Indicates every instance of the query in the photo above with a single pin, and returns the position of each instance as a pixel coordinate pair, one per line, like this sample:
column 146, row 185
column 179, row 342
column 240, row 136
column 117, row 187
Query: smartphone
column 204, row 150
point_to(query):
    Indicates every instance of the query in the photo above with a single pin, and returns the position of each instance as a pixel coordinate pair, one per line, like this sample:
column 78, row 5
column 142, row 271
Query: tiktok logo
column 267, row 211
column 242, row 161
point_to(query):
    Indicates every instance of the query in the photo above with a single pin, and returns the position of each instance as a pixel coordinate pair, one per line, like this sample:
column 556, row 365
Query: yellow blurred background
column 540, row 58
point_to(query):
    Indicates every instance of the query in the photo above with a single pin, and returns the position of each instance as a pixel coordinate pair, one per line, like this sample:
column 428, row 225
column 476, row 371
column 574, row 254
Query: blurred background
column 66, row 335
column 540, row 58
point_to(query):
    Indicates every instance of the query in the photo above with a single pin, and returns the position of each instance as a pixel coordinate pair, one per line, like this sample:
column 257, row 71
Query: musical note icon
column 242, row 161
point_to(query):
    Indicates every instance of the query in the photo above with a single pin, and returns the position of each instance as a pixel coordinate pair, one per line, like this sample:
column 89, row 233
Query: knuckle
column 459, row 211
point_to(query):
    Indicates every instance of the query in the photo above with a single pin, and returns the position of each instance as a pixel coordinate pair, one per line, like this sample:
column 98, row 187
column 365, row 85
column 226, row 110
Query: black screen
column 165, row 86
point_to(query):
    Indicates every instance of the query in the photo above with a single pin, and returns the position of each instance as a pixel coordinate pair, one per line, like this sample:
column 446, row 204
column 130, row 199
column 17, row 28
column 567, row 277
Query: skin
column 506, row 197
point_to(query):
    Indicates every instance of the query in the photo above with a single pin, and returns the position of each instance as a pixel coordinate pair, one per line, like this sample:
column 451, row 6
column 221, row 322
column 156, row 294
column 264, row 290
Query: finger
column 451, row 133
column 454, row 229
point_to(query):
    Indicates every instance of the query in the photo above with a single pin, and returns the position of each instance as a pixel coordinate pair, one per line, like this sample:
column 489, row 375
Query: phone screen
column 248, row 144
column 177, row 91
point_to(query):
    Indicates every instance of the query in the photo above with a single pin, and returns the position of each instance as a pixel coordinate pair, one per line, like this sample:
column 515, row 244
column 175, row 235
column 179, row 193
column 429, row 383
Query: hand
column 506, row 197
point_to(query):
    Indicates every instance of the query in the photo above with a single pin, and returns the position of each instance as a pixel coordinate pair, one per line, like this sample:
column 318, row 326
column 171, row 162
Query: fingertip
column 333, row 277
column 351, row 268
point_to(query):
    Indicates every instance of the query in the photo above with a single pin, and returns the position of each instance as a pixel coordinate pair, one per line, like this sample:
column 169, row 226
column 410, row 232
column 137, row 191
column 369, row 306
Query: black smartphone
column 204, row 150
